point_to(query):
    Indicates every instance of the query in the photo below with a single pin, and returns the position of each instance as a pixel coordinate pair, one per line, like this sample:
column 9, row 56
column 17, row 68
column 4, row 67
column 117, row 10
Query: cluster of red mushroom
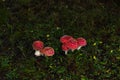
column 40, row 50
column 70, row 43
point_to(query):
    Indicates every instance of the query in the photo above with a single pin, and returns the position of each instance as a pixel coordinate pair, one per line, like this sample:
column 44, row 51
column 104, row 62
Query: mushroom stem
column 66, row 52
column 79, row 48
column 37, row 53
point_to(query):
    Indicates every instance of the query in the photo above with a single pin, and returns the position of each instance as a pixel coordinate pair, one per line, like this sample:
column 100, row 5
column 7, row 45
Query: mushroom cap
column 37, row 45
column 81, row 41
column 48, row 51
column 64, row 47
column 72, row 44
column 65, row 38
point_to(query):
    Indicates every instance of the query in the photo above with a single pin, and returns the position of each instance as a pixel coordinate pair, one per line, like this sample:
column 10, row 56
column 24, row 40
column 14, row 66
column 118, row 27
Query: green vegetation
column 24, row 21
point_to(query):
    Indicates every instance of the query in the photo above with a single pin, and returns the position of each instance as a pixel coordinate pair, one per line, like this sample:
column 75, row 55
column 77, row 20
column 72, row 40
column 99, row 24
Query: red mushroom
column 65, row 38
column 72, row 44
column 48, row 51
column 65, row 48
column 37, row 46
column 81, row 42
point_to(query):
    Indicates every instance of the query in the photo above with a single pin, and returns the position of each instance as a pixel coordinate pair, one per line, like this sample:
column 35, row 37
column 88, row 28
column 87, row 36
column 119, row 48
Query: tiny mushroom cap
column 48, row 51
column 65, row 38
column 37, row 45
column 65, row 48
column 81, row 42
column 72, row 44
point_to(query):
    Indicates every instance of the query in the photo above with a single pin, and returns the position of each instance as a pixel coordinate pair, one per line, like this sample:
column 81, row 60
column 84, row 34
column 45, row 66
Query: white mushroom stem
column 37, row 53
column 66, row 52
column 79, row 48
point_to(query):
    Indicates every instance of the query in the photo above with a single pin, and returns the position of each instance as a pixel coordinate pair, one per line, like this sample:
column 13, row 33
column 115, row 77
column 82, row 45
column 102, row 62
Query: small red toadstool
column 65, row 48
column 72, row 44
column 65, row 38
column 48, row 51
column 81, row 42
column 37, row 46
